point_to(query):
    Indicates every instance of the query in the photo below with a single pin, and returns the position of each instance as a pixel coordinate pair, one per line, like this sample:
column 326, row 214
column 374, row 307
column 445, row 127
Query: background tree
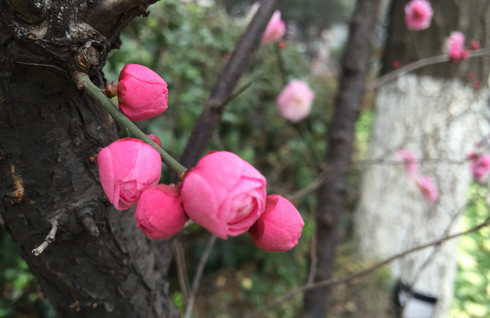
column 437, row 113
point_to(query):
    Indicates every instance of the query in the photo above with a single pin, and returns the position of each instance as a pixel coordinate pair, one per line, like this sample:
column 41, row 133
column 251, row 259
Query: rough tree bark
column 100, row 264
column 331, row 196
column 437, row 114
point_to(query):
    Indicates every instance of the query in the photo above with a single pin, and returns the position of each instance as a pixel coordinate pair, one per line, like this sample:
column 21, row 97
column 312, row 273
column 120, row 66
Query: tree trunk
column 100, row 264
column 331, row 196
column 437, row 114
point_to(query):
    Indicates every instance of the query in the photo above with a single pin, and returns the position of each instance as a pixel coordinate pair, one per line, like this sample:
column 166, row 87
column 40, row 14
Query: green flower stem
column 124, row 121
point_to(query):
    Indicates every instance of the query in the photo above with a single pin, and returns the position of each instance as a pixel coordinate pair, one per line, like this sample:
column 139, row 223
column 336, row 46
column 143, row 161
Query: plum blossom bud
column 409, row 159
column 110, row 90
column 159, row 213
column 155, row 139
column 295, row 100
column 126, row 168
column 279, row 228
column 456, row 49
column 224, row 194
column 480, row 166
column 429, row 191
column 275, row 29
column 418, row 14
column 141, row 92
column 475, row 45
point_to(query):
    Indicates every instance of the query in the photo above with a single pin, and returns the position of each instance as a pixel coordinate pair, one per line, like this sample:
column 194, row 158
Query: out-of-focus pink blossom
column 410, row 161
column 396, row 64
column 275, row 29
column 475, row 45
column 429, row 191
column 141, row 92
column 480, row 166
column 295, row 100
column 279, row 228
column 456, row 48
column 418, row 14
column 159, row 213
column 224, row 194
column 281, row 45
column 476, row 84
column 126, row 168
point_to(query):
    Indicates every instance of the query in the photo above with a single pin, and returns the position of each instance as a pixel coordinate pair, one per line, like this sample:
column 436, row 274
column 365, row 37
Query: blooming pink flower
column 141, row 92
column 295, row 100
column 224, row 194
column 426, row 185
column 155, row 139
column 456, row 49
column 480, row 166
column 418, row 14
column 279, row 228
column 275, row 29
column 476, row 84
column 159, row 213
column 126, row 168
column 409, row 159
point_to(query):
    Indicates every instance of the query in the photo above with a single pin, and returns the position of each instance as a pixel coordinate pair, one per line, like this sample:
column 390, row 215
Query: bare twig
column 181, row 268
column 416, row 65
column 197, row 278
column 223, row 89
column 337, row 281
column 48, row 239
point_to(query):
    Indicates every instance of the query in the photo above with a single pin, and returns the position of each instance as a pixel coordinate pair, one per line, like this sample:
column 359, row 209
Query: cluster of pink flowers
column 418, row 15
column 425, row 183
column 223, row 193
column 480, row 165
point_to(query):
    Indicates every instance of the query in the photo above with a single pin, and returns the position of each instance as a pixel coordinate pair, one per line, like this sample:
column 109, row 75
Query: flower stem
column 124, row 121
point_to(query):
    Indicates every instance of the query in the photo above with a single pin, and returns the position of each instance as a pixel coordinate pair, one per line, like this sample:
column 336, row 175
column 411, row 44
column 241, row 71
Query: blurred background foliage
column 188, row 45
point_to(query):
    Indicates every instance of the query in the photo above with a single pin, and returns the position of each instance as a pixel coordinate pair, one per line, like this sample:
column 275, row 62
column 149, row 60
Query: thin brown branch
column 197, row 278
column 337, row 281
column 416, row 65
column 223, row 89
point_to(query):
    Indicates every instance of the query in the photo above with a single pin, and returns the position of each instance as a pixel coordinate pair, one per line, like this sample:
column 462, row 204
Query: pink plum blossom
column 456, row 49
column 480, row 166
column 159, row 213
column 418, row 14
column 295, row 100
column 126, row 168
column 279, row 228
column 224, row 194
column 429, row 191
column 141, row 92
column 409, row 159
column 275, row 29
